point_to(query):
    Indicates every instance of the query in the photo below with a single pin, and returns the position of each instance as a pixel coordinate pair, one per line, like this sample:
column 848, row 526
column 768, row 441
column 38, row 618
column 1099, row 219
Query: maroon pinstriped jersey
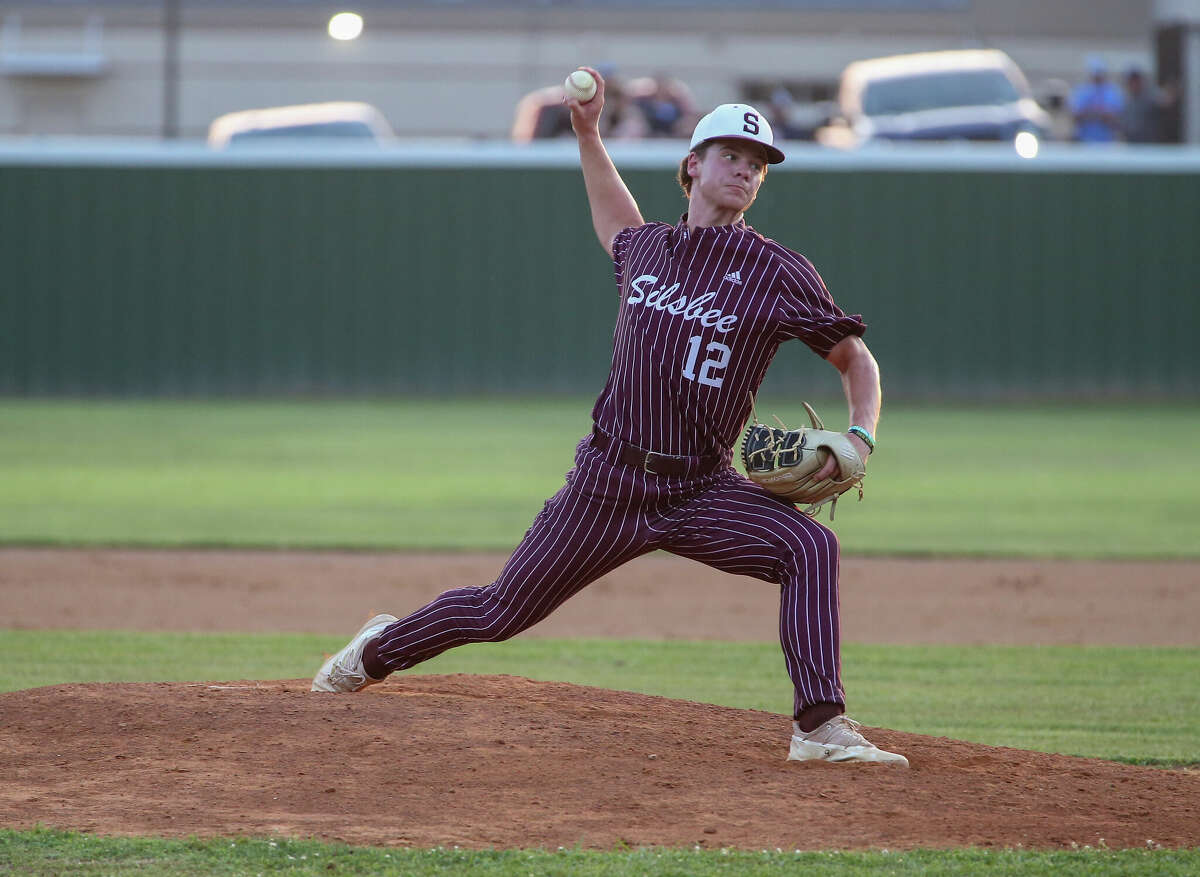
column 701, row 315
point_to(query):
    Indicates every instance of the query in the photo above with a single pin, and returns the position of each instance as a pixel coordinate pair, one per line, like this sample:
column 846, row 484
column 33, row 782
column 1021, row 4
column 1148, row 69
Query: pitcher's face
column 729, row 174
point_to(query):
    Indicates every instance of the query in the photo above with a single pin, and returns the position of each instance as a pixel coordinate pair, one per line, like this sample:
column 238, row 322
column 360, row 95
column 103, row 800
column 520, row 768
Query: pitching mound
column 508, row 762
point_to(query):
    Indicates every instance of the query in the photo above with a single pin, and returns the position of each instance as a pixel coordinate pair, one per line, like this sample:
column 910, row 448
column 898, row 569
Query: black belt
column 654, row 463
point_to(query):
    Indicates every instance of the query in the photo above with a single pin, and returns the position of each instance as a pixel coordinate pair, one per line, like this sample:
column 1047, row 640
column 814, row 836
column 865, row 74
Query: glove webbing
column 776, row 449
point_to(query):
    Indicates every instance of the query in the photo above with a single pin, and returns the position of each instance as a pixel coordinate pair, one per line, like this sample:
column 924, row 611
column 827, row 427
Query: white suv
column 970, row 94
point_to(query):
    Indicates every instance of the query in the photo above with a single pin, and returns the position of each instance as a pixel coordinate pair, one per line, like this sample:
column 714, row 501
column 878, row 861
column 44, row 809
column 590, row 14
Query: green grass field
column 1018, row 481
column 46, row 852
column 1031, row 481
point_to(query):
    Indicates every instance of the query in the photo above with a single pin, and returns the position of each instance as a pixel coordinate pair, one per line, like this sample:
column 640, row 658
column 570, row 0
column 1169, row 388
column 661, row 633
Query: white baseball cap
column 737, row 122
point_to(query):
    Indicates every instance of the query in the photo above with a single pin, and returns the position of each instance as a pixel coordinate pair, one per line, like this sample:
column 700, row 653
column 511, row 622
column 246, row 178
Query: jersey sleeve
column 806, row 310
column 620, row 247
column 622, row 244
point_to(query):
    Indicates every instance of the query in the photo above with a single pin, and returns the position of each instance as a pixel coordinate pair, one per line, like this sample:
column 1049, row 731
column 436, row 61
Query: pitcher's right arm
column 613, row 207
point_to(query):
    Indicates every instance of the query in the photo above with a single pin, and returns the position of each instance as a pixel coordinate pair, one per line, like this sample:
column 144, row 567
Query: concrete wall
column 461, row 72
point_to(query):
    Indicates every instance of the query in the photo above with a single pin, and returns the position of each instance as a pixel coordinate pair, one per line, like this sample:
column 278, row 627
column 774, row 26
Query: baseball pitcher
column 702, row 306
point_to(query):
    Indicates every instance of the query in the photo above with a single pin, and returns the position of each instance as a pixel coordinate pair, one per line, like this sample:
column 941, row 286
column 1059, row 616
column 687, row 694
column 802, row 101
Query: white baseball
column 580, row 85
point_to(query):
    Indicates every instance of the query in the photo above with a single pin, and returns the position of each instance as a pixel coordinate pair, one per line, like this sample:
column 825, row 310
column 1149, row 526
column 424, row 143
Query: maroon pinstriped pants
column 607, row 514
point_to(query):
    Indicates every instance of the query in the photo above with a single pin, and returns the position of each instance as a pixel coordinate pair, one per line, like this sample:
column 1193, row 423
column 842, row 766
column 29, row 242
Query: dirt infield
column 884, row 600
column 508, row 762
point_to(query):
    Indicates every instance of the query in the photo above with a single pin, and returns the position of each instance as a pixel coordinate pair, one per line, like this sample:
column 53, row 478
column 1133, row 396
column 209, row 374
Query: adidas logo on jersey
column 734, row 277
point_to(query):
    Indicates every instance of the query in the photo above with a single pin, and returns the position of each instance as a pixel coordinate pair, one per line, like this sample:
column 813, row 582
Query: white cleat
column 839, row 740
column 344, row 672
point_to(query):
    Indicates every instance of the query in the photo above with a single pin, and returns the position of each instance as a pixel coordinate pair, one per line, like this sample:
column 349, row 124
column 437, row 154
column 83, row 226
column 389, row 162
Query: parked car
column 972, row 94
column 351, row 122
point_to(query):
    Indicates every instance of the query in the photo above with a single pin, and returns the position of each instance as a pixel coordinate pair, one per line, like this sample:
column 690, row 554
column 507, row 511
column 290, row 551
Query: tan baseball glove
column 786, row 461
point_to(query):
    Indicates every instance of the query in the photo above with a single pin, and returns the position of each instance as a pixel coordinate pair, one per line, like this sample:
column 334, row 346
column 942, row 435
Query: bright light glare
column 345, row 26
column 1026, row 144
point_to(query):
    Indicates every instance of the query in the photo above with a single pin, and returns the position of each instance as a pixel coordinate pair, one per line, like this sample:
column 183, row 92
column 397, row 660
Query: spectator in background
column 1055, row 98
column 1096, row 105
column 543, row 114
column 1141, row 116
column 781, row 108
column 633, row 109
column 668, row 107
column 796, row 120
column 623, row 118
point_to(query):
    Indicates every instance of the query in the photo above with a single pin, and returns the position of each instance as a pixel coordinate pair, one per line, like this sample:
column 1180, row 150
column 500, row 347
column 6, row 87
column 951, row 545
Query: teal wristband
column 864, row 435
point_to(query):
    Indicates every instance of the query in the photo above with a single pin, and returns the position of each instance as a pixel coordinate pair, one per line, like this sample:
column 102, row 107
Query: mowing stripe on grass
column 1015, row 480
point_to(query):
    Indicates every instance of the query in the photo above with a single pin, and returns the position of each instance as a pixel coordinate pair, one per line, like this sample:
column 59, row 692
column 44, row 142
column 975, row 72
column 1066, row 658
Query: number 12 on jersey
column 713, row 363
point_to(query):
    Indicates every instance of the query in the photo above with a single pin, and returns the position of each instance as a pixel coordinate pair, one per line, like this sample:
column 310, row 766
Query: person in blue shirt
column 1096, row 105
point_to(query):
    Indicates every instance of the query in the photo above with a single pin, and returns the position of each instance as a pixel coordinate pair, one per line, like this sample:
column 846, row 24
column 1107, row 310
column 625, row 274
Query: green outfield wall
column 134, row 273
